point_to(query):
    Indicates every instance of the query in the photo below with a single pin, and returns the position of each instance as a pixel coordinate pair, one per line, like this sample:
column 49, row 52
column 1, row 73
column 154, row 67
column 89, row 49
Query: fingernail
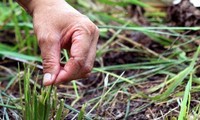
column 47, row 78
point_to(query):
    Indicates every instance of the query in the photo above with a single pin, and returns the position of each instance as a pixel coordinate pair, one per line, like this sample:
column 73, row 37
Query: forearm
column 31, row 5
column 26, row 5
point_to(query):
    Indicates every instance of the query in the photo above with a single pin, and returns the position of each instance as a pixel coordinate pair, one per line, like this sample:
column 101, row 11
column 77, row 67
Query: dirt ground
column 183, row 14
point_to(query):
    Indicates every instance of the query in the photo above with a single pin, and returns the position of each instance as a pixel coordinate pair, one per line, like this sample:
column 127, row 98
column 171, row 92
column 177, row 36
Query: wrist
column 25, row 4
column 33, row 5
column 45, row 5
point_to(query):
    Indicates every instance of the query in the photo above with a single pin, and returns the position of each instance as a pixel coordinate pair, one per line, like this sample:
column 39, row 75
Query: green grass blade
column 183, row 114
column 114, row 75
column 82, row 113
column 11, row 107
column 59, row 112
column 151, row 28
column 74, row 110
column 177, row 80
column 75, row 89
column 19, row 56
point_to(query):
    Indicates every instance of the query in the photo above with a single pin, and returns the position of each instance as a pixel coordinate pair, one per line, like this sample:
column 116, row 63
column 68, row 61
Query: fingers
column 92, row 51
column 50, row 51
column 82, row 55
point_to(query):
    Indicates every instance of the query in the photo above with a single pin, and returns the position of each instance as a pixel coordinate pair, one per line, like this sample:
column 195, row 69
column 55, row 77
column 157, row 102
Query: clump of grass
column 42, row 105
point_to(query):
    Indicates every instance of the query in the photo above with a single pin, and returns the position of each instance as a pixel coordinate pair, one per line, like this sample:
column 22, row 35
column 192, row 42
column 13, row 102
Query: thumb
column 50, row 52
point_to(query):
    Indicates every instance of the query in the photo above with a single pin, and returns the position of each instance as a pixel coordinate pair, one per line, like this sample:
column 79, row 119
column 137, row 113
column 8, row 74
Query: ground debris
column 184, row 14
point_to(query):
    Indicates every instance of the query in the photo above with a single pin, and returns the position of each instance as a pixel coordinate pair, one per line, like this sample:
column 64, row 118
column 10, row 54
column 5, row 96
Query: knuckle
column 47, row 39
column 87, row 26
column 83, row 67
column 80, row 63
column 92, row 29
column 87, row 68
column 97, row 30
column 41, row 41
column 49, row 64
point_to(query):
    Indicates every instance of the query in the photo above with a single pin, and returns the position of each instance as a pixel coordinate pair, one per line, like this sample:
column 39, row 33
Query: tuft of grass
column 43, row 105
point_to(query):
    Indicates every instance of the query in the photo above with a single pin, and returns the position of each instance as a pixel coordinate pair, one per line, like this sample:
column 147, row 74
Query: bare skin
column 59, row 26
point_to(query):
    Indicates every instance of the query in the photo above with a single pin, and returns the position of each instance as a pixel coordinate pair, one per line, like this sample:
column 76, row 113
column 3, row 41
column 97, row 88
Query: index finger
column 75, row 68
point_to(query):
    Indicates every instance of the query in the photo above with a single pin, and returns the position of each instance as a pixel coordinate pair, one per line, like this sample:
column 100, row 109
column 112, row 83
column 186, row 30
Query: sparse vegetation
column 147, row 65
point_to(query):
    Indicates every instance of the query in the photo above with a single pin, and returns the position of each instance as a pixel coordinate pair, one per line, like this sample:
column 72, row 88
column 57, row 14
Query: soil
column 183, row 14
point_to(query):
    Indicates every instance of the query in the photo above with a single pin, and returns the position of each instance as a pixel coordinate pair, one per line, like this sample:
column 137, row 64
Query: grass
column 42, row 105
column 130, row 80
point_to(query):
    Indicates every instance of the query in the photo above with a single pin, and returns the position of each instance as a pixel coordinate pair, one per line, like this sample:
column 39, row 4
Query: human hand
column 59, row 26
